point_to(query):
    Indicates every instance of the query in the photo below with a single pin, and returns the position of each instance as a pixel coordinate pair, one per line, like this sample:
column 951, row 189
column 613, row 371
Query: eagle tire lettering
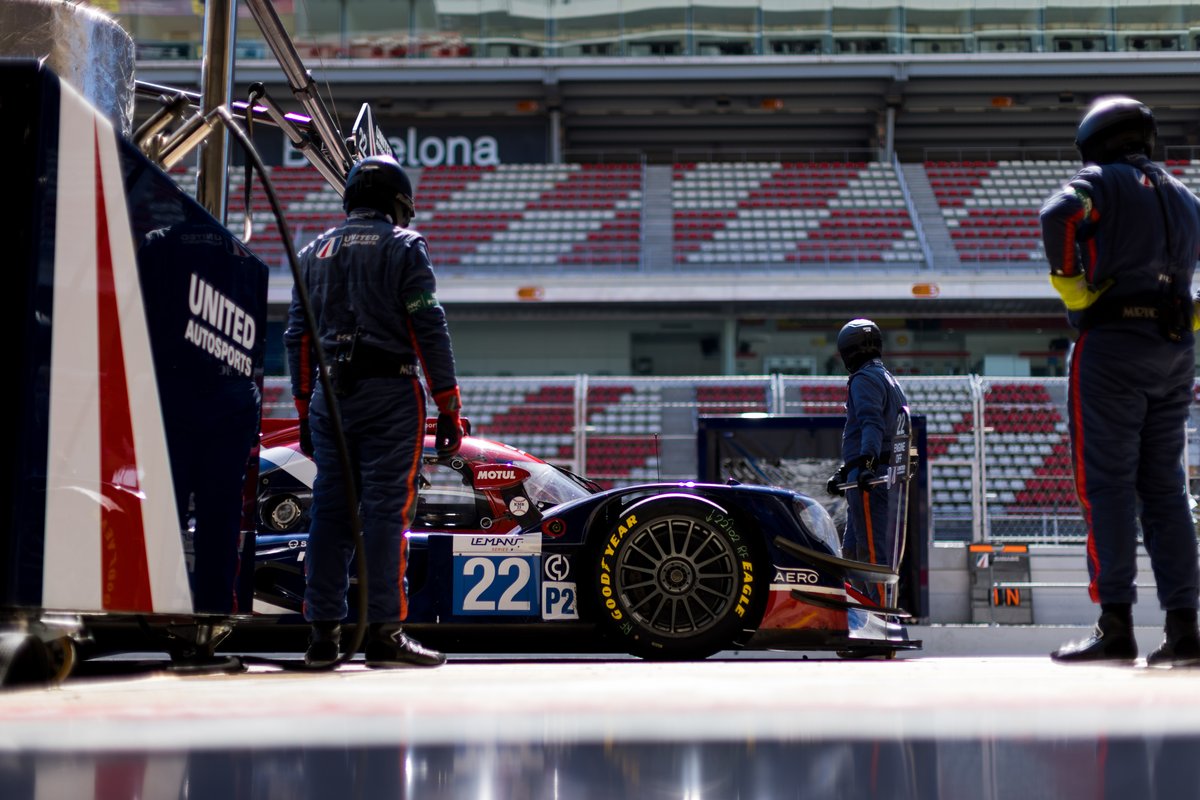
column 679, row 578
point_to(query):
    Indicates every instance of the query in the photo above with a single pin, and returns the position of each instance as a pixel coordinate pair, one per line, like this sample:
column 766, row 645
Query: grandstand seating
column 559, row 217
column 730, row 399
column 991, row 207
column 1025, row 443
column 1025, row 459
column 623, row 422
column 526, row 215
column 803, row 213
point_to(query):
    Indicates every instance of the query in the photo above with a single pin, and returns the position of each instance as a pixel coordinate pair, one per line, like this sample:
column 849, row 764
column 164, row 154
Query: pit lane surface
column 489, row 728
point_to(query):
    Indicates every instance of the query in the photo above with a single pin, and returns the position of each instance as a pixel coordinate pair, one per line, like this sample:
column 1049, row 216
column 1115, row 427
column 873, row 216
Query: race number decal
column 497, row 574
column 495, row 585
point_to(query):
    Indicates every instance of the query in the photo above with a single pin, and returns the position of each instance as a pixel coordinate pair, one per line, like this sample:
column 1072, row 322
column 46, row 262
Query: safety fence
column 996, row 448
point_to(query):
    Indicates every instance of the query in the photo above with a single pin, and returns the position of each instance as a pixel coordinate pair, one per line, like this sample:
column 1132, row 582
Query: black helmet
column 1115, row 127
column 379, row 182
column 858, row 342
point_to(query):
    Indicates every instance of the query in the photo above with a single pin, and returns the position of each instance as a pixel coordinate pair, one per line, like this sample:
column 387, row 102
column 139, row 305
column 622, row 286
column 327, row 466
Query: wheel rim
column 677, row 576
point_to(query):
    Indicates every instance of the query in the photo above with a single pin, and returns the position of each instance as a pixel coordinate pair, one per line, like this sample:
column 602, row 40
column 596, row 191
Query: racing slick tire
column 678, row 577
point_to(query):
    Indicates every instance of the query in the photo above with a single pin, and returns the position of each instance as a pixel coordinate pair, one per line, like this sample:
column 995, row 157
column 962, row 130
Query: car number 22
column 495, row 585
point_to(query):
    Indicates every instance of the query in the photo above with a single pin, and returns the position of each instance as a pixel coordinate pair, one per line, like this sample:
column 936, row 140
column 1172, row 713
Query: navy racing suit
column 1122, row 240
column 875, row 400
column 372, row 290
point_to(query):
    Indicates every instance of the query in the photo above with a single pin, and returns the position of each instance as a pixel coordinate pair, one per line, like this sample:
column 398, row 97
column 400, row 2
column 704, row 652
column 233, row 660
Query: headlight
column 816, row 519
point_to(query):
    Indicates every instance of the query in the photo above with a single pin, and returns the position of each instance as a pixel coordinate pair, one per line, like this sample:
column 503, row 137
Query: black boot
column 1181, row 645
column 323, row 642
column 389, row 646
column 1111, row 641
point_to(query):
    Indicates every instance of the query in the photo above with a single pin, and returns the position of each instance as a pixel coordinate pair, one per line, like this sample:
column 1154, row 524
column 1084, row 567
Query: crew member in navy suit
column 1122, row 239
column 874, row 401
column 372, row 288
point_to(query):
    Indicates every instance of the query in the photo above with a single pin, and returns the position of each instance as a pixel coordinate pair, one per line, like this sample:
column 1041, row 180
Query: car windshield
column 548, row 485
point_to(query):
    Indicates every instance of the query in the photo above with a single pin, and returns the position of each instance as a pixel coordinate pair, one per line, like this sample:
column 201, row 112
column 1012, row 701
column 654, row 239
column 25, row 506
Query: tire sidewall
column 750, row 590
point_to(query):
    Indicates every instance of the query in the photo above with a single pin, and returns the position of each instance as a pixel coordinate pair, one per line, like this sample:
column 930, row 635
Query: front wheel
column 680, row 577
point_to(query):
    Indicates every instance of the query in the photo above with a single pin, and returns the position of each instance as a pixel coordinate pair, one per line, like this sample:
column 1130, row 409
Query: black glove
column 306, row 445
column 448, row 435
column 866, row 474
column 833, row 485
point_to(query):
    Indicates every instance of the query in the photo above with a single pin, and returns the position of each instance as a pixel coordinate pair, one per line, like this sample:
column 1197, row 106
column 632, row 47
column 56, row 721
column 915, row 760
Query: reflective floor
column 612, row 728
column 1120, row 768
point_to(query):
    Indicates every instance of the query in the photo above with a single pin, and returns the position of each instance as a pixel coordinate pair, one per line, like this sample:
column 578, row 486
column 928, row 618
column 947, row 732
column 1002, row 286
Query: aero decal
column 111, row 532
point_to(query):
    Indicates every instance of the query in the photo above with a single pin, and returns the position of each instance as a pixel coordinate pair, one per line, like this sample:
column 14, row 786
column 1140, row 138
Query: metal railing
column 996, row 447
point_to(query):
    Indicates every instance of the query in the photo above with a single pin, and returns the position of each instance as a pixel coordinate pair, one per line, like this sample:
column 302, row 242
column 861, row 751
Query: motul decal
column 498, row 476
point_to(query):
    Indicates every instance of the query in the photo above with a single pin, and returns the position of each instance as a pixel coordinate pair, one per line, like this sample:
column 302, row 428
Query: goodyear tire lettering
column 634, row 571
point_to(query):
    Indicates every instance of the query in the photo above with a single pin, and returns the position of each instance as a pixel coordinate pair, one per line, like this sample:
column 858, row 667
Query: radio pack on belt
column 354, row 360
column 1174, row 317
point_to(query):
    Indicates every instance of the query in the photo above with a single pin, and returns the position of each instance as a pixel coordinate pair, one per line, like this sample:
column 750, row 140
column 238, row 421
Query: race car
column 503, row 540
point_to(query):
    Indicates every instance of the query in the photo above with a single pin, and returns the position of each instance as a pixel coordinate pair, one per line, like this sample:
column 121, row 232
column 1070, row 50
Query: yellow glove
column 1075, row 292
column 1195, row 315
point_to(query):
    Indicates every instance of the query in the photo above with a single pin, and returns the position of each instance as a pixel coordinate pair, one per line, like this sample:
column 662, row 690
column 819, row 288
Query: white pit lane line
column 594, row 701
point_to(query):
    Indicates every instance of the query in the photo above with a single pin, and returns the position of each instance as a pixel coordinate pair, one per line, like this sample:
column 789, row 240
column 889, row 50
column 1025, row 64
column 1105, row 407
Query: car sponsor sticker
column 498, row 476
column 556, row 567
column 518, row 506
column 559, row 600
column 792, row 576
column 497, row 543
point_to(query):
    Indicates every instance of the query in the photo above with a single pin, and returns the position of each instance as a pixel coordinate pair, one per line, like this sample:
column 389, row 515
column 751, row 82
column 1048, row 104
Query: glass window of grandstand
column 1078, row 28
column 789, row 30
column 1191, row 24
column 518, row 31
column 588, row 29
column 932, row 28
column 461, row 30
column 319, row 31
column 861, row 27
column 171, row 33
column 725, row 27
column 1146, row 28
column 1007, row 26
column 655, row 29
column 380, row 29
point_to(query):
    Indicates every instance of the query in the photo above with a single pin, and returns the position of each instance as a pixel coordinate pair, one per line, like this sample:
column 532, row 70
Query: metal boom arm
column 301, row 82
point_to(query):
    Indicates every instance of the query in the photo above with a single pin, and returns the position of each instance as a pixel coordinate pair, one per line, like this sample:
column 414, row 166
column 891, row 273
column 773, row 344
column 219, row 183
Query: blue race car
column 504, row 541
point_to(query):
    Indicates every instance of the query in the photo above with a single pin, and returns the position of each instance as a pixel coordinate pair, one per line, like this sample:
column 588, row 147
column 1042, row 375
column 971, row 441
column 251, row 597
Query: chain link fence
column 997, row 448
